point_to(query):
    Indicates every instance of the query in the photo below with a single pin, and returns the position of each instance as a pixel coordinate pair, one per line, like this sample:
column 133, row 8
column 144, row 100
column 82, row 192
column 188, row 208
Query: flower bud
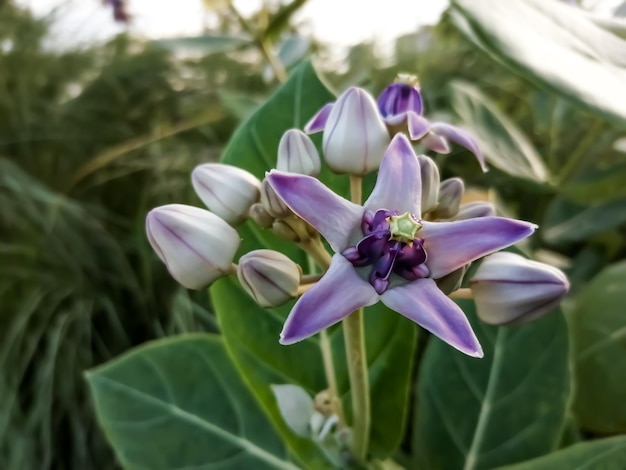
column 355, row 136
column 259, row 214
column 471, row 210
column 401, row 97
column 270, row 277
column 297, row 154
column 510, row 289
column 196, row 245
column 272, row 203
column 450, row 194
column 296, row 407
column 430, row 183
column 226, row 190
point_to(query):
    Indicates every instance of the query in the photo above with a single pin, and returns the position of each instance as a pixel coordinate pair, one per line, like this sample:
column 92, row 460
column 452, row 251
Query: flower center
column 389, row 246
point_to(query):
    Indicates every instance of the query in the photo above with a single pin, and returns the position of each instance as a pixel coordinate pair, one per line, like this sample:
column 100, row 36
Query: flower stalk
column 354, row 336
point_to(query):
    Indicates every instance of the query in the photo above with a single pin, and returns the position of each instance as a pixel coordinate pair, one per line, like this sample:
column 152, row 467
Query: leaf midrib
column 173, row 410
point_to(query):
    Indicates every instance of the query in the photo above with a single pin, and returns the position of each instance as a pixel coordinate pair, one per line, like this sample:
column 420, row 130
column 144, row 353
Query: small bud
column 450, row 195
column 296, row 408
column 270, row 277
column 196, row 245
column 471, row 210
column 297, row 154
column 284, row 230
column 272, row 203
column 259, row 214
column 355, row 136
column 430, row 183
column 226, row 190
column 510, row 289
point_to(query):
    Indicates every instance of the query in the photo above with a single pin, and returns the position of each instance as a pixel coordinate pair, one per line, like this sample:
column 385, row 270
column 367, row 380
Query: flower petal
column 331, row 215
column 461, row 137
column 422, row 302
column 418, row 126
column 450, row 245
column 318, row 122
column 399, row 183
column 339, row 293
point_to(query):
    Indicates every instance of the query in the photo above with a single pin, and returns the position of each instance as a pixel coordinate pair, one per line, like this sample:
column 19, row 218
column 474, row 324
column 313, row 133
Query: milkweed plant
column 361, row 231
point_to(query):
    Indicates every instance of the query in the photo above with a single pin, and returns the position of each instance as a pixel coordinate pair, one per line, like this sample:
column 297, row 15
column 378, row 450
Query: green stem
column 354, row 335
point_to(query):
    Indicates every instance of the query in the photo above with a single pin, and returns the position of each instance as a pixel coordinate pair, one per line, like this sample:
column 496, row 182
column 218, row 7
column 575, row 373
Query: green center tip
column 403, row 227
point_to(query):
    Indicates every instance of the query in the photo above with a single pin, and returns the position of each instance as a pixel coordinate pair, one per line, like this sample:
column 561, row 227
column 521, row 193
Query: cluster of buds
column 414, row 236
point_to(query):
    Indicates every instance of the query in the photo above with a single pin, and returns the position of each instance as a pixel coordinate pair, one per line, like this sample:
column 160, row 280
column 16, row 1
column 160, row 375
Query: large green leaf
column 251, row 333
column 503, row 143
column 553, row 45
column 567, row 222
column 180, row 403
column 598, row 185
column 599, row 328
column 605, row 454
column 507, row 407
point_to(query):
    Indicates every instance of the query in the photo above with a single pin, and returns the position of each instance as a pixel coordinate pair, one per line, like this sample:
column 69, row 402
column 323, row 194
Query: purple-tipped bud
column 272, row 203
column 196, row 245
column 450, row 195
column 430, row 183
column 401, row 97
column 471, row 210
column 297, row 154
column 355, row 136
column 226, row 190
column 510, row 289
column 270, row 277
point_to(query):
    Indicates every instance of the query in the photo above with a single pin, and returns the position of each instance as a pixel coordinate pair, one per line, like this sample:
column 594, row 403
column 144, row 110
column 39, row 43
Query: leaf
column 572, row 223
column 179, row 403
column 599, row 331
column 606, row 454
column 251, row 333
column 507, row 407
column 598, row 185
column 551, row 44
column 207, row 44
column 503, row 143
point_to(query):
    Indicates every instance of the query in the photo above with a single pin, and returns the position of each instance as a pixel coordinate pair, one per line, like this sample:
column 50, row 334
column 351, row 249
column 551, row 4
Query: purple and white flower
column 401, row 104
column 385, row 252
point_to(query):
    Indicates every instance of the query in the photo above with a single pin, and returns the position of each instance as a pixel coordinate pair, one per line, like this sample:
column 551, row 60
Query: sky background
column 338, row 22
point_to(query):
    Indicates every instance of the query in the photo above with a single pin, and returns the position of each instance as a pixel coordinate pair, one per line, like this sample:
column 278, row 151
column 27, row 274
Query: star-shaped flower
column 374, row 259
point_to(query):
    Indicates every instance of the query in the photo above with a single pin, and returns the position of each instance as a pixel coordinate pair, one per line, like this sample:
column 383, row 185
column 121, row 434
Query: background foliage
column 91, row 139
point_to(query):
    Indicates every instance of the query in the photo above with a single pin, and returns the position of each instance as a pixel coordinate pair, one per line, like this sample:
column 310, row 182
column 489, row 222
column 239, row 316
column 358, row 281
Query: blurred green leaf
column 601, row 454
column 180, row 403
column 206, row 44
column 503, row 143
column 566, row 222
column 251, row 333
column 553, row 45
column 507, row 407
column 596, row 185
column 599, row 332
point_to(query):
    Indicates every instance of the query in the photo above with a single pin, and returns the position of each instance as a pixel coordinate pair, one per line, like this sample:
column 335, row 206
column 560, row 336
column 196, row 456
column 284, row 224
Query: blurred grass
column 90, row 140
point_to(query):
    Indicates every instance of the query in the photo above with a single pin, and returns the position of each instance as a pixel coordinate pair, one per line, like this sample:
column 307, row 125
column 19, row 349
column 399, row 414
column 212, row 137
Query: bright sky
column 337, row 22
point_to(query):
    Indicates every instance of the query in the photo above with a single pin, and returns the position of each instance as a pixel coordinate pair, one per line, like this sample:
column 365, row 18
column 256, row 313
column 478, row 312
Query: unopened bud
column 226, row 190
column 272, row 202
column 297, row 154
column 259, row 214
column 355, row 136
column 296, row 407
column 450, row 195
column 270, row 277
column 196, row 245
column 475, row 209
column 510, row 289
column 430, row 183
